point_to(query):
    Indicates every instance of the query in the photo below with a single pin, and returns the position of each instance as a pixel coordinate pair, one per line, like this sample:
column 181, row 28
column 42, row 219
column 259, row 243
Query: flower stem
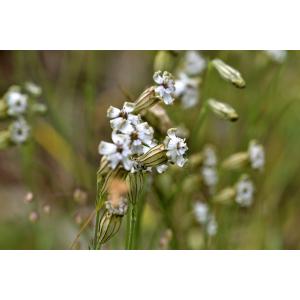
column 131, row 228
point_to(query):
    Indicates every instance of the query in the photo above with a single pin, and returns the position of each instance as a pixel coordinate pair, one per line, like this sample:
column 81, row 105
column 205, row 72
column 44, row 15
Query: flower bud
column 33, row 217
column 146, row 100
column 165, row 60
column 225, row 196
column 47, row 209
column 28, row 197
column 154, row 157
column 229, row 73
column 80, row 196
column 236, row 161
column 39, row 108
column 223, row 110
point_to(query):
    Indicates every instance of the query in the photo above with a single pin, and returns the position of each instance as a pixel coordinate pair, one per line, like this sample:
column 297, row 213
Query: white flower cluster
column 187, row 82
column 209, row 170
column 133, row 137
column 257, row 155
column 166, row 86
column 206, row 218
column 244, row 192
column 16, row 103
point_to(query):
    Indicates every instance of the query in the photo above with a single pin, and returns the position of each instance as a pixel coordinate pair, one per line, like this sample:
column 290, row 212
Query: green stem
column 131, row 228
column 96, row 230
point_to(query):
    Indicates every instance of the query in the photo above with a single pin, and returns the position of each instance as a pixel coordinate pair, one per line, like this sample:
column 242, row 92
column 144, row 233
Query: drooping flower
column 166, row 86
column 210, row 176
column 176, row 148
column 244, row 192
column 19, row 131
column 212, row 226
column 16, row 103
column 194, row 63
column 257, row 155
column 208, row 170
column 118, row 151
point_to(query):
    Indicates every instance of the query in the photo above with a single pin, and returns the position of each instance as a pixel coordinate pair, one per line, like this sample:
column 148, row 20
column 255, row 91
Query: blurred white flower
column 257, row 155
column 117, row 152
column 187, row 89
column 212, row 226
column 176, row 148
column 201, row 212
column 244, row 192
column 16, row 103
column 122, row 118
column 210, row 157
column 194, row 63
column 210, row 176
column 19, row 131
column 166, row 86
column 277, row 55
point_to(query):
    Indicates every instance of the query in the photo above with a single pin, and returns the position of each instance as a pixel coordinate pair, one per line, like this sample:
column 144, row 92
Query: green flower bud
column 146, row 100
column 154, row 157
column 223, row 110
column 236, row 161
column 229, row 73
column 225, row 196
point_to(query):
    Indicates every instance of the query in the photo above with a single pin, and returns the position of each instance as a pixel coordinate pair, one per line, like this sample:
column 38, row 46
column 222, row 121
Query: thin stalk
column 131, row 228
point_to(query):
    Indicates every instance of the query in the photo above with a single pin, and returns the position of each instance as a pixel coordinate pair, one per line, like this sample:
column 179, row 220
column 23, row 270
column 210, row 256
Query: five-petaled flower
column 166, row 86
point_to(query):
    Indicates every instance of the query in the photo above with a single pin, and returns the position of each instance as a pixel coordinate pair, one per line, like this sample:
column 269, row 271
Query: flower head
column 117, row 152
column 201, row 211
column 257, row 155
column 244, row 192
column 176, row 148
column 165, row 86
column 19, row 131
column 16, row 103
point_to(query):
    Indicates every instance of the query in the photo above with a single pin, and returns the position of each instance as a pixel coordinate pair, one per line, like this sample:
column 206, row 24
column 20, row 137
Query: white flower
column 194, row 63
column 210, row 176
column 19, row 131
column 244, row 192
column 16, row 102
column 117, row 152
column 277, row 55
column 176, row 148
column 122, row 118
column 119, row 209
column 166, row 86
column 162, row 168
column 212, row 226
column 210, row 157
column 187, row 89
column 201, row 212
column 257, row 155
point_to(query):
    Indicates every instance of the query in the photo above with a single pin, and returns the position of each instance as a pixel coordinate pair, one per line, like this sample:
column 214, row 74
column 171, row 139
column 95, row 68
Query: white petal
column 120, row 139
column 107, row 148
column 168, row 99
column 162, row 168
column 113, row 112
column 128, row 107
column 172, row 133
column 116, row 123
column 125, row 127
column 180, row 161
column 157, row 77
column 127, row 163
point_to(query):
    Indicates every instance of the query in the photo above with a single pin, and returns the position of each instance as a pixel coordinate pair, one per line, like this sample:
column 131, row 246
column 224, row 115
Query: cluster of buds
column 135, row 149
column 16, row 105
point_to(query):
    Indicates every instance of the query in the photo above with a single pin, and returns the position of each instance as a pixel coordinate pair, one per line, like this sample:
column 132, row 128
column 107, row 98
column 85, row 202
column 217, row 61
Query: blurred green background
column 78, row 87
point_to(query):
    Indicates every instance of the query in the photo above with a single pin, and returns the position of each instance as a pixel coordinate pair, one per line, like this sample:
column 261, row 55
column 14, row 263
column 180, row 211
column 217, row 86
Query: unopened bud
column 39, row 108
column 225, row 196
column 236, row 161
column 229, row 73
column 154, row 157
column 146, row 100
column 195, row 160
column 33, row 89
column 47, row 209
column 80, row 196
column 223, row 110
